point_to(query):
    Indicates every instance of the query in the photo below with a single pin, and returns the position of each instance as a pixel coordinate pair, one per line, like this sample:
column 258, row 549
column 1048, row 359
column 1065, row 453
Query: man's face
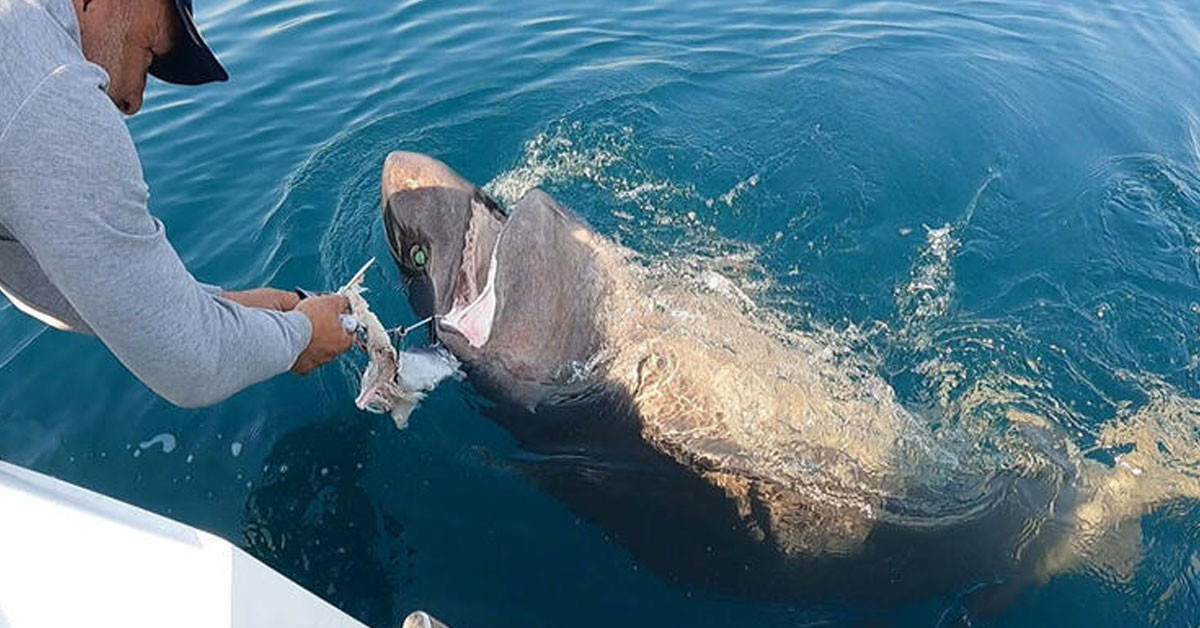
column 123, row 37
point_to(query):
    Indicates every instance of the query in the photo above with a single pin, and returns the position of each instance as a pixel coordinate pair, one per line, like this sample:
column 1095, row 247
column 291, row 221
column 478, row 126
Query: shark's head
column 442, row 231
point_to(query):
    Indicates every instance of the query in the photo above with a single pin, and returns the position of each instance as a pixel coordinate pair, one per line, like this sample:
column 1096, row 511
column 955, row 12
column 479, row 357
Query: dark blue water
column 998, row 203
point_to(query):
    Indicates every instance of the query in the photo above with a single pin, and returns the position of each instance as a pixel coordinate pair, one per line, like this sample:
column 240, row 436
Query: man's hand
column 265, row 299
column 329, row 338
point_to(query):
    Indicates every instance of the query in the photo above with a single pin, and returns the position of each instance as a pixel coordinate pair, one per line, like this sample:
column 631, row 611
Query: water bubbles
column 930, row 289
column 738, row 189
column 166, row 440
column 235, row 448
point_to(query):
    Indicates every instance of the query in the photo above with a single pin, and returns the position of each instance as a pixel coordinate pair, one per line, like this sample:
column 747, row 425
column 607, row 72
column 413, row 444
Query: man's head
column 130, row 38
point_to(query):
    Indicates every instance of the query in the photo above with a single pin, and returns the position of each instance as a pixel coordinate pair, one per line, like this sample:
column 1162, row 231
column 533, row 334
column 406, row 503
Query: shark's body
column 715, row 444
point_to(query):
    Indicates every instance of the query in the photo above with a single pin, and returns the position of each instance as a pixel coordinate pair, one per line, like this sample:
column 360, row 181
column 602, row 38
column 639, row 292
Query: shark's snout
column 403, row 170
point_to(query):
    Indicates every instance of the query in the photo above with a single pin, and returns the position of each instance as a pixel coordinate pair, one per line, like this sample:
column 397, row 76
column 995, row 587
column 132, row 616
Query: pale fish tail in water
column 393, row 382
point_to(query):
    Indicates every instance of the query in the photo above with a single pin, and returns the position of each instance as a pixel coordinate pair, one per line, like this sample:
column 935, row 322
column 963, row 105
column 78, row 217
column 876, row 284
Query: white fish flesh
column 393, row 382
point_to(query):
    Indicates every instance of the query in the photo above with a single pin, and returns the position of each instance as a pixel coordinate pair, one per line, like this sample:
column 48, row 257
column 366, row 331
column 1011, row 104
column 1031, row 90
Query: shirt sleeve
column 211, row 289
column 72, row 192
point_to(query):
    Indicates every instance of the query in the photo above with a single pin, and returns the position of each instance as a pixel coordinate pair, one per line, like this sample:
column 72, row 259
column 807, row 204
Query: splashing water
column 929, row 293
column 554, row 156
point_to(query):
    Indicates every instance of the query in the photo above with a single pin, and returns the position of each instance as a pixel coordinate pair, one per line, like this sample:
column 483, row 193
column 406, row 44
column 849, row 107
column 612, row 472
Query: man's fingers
column 329, row 338
column 287, row 300
column 302, row 367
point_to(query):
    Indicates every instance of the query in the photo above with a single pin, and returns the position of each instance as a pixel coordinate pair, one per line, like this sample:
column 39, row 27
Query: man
column 78, row 248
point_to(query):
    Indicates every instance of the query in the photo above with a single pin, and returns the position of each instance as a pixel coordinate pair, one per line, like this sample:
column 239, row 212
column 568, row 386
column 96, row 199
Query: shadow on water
column 983, row 545
column 311, row 519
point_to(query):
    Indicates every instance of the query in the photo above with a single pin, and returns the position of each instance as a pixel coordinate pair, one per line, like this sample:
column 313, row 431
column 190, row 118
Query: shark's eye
column 418, row 255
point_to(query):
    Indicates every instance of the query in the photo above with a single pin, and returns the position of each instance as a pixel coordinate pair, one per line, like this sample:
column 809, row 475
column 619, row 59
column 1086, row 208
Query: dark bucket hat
column 190, row 61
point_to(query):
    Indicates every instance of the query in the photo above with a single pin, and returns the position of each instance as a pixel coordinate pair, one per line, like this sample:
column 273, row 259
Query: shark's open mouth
column 465, row 288
column 472, row 310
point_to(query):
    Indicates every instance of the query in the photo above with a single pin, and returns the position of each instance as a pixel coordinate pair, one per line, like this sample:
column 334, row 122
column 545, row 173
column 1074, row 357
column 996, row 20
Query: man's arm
column 264, row 298
column 71, row 190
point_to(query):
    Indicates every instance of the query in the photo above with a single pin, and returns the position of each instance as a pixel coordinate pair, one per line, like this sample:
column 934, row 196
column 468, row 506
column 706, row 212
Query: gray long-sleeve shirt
column 78, row 248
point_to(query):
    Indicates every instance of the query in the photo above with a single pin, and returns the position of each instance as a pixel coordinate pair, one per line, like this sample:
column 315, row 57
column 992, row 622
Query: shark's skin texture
column 718, row 446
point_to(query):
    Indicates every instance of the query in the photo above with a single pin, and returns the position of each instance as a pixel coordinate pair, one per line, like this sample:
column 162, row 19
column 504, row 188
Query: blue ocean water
column 998, row 203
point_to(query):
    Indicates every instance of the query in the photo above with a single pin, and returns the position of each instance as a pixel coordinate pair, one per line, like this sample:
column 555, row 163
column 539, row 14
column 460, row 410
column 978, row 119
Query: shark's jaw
column 473, row 309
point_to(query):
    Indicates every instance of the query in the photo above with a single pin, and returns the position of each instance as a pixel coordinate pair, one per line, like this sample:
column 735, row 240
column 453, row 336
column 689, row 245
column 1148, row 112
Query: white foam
column 553, row 156
column 930, row 291
column 571, row 152
column 729, row 197
column 165, row 439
